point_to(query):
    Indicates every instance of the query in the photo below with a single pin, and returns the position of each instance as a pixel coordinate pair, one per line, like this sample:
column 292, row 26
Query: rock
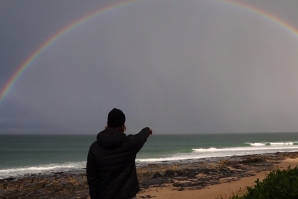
column 156, row 175
column 237, row 166
column 169, row 173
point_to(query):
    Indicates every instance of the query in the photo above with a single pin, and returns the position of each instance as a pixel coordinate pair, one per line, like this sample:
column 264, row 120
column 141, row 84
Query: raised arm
column 141, row 137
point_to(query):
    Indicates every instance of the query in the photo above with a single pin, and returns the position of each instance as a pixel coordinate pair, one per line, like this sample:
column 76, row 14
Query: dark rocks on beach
column 181, row 176
column 46, row 186
column 198, row 175
column 156, row 175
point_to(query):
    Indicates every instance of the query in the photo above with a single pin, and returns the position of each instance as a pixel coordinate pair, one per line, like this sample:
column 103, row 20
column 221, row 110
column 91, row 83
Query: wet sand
column 205, row 179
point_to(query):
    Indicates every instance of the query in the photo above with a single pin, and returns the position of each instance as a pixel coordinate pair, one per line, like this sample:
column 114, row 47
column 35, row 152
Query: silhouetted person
column 111, row 169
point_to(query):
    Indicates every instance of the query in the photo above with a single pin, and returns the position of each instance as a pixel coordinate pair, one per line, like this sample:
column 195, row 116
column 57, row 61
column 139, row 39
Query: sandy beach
column 203, row 179
column 226, row 188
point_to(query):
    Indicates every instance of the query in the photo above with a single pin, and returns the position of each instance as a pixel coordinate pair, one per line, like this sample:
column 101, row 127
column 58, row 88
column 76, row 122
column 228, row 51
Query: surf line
column 8, row 85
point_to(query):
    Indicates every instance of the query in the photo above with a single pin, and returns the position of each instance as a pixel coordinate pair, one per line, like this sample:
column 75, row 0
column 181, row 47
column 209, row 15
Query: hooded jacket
column 111, row 170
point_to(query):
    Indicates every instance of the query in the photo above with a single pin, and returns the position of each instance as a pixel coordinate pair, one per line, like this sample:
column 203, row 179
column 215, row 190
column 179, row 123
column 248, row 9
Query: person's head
column 116, row 119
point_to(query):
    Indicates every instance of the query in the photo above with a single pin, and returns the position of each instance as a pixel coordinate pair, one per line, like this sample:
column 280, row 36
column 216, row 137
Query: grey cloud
column 195, row 67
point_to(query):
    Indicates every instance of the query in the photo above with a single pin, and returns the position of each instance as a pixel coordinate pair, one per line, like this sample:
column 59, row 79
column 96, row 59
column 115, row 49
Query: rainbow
column 81, row 20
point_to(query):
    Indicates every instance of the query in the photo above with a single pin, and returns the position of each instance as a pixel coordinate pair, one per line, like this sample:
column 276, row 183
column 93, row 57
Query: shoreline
column 225, row 189
column 203, row 178
column 223, row 178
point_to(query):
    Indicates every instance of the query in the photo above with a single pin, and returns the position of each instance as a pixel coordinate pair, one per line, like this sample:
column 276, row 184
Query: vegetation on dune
column 278, row 184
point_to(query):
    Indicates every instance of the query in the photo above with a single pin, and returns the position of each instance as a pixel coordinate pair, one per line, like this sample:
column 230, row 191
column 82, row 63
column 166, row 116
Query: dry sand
column 224, row 189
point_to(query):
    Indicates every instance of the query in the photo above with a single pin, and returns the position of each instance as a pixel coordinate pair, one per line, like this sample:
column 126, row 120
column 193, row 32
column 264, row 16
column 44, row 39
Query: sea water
column 31, row 154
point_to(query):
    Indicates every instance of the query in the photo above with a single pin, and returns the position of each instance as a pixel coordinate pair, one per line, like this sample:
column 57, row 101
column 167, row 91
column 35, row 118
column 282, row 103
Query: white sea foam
column 211, row 152
column 46, row 168
column 272, row 144
column 257, row 144
column 175, row 157
column 259, row 148
column 281, row 143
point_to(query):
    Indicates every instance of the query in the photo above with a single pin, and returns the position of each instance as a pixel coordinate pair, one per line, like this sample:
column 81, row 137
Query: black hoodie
column 111, row 170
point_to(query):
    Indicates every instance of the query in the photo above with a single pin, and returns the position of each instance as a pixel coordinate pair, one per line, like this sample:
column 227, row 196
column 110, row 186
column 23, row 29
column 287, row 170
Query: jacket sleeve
column 92, row 176
column 141, row 138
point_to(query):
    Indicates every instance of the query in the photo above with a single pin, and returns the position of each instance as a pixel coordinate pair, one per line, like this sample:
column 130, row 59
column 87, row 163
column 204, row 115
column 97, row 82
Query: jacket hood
column 110, row 138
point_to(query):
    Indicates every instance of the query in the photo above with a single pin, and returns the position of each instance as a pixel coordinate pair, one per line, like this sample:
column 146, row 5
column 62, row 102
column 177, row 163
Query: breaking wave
column 45, row 169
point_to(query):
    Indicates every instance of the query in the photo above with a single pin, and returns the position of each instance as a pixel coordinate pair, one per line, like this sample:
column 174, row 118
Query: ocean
column 33, row 154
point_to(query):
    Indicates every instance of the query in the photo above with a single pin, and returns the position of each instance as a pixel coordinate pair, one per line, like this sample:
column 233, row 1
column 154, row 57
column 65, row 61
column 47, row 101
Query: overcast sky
column 191, row 66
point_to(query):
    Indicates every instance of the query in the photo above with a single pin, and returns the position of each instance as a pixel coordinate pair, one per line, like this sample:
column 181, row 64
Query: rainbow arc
column 71, row 26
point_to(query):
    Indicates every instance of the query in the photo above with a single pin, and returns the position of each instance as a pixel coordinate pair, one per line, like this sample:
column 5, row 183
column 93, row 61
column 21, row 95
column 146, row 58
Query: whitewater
column 41, row 154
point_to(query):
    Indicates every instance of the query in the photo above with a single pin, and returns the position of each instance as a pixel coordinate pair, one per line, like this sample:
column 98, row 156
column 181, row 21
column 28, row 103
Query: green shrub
column 278, row 184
